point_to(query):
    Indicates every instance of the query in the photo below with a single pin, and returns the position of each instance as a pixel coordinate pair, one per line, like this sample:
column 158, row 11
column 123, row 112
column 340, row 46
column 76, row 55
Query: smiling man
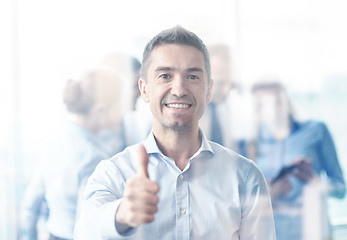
column 176, row 184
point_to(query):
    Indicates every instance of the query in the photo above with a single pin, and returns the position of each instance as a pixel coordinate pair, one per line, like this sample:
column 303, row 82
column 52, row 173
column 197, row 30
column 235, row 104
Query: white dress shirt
column 219, row 195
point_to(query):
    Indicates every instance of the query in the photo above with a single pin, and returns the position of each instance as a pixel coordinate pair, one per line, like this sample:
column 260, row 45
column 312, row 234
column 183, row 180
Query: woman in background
column 293, row 157
column 95, row 102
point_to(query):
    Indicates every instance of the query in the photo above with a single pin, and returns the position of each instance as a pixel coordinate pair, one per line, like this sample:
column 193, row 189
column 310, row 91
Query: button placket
column 182, row 217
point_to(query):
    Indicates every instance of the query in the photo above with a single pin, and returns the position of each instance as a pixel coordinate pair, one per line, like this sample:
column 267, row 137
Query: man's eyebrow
column 195, row 69
column 158, row 69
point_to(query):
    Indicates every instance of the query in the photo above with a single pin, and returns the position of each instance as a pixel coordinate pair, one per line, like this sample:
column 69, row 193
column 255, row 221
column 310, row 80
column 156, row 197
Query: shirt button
column 182, row 211
column 181, row 177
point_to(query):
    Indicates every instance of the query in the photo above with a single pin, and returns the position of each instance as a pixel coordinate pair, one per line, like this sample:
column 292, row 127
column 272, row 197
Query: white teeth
column 176, row 105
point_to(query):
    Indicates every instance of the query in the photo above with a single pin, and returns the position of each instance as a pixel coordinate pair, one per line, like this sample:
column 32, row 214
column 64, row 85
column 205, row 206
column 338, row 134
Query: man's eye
column 193, row 77
column 164, row 76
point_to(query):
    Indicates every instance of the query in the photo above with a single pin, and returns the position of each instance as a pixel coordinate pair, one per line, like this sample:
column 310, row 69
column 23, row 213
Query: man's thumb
column 142, row 161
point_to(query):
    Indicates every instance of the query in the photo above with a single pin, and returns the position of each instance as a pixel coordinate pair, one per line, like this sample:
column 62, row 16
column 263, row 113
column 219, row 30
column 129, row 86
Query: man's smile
column 178, row 105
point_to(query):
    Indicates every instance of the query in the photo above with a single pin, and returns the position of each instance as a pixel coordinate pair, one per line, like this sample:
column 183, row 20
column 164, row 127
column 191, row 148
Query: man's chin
column 180, row 126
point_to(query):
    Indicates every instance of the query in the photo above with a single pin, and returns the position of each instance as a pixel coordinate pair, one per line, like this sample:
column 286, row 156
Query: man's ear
column 209, row 91
column 143, row 90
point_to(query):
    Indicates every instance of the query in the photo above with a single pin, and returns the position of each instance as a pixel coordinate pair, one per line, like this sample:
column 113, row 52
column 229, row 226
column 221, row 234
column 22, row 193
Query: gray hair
column 176, row 35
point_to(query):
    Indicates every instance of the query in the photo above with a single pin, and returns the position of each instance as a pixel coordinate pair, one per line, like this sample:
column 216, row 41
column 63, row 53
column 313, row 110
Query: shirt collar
column 152, row 147
column 205, row 145
column 150, row 144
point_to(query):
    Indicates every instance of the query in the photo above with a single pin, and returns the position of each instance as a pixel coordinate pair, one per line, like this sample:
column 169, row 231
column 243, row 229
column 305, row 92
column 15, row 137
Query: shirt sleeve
column 33, row 198
column 331, row 164
column 257, row 221
column 102, row 198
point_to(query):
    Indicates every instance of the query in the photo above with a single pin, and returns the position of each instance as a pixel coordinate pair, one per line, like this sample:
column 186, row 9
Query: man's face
column 176, row 86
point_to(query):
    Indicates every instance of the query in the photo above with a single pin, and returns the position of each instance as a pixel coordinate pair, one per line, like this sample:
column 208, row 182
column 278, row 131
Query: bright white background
column 43, row 43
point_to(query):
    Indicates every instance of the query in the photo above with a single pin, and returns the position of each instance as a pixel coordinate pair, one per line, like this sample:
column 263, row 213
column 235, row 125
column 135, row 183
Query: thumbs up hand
column 140, row 198
column 142, row 155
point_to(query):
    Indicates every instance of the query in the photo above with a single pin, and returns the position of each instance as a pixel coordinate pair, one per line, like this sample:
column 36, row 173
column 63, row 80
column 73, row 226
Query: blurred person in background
column 224, row 121
column 136, row 94
column 294, row 157
column 129, row 67
column 95, row 102
column 216, row 119
column 137, row 122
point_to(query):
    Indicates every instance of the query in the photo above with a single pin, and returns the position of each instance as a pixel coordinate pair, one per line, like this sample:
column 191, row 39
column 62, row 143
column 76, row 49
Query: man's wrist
column 120, row 224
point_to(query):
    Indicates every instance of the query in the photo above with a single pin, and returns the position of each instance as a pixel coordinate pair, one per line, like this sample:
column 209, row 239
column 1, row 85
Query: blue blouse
column 312, row 141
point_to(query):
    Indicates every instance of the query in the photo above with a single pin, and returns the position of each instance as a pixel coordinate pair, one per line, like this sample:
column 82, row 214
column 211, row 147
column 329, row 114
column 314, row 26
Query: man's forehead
column 170, row 48
column 165, row 55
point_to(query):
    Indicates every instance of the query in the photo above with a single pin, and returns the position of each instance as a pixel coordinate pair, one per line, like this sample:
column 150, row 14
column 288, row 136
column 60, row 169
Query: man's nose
column 178, row 87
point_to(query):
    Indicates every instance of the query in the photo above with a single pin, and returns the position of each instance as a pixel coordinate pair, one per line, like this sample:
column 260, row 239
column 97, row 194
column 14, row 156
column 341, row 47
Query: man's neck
column 179, row 145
